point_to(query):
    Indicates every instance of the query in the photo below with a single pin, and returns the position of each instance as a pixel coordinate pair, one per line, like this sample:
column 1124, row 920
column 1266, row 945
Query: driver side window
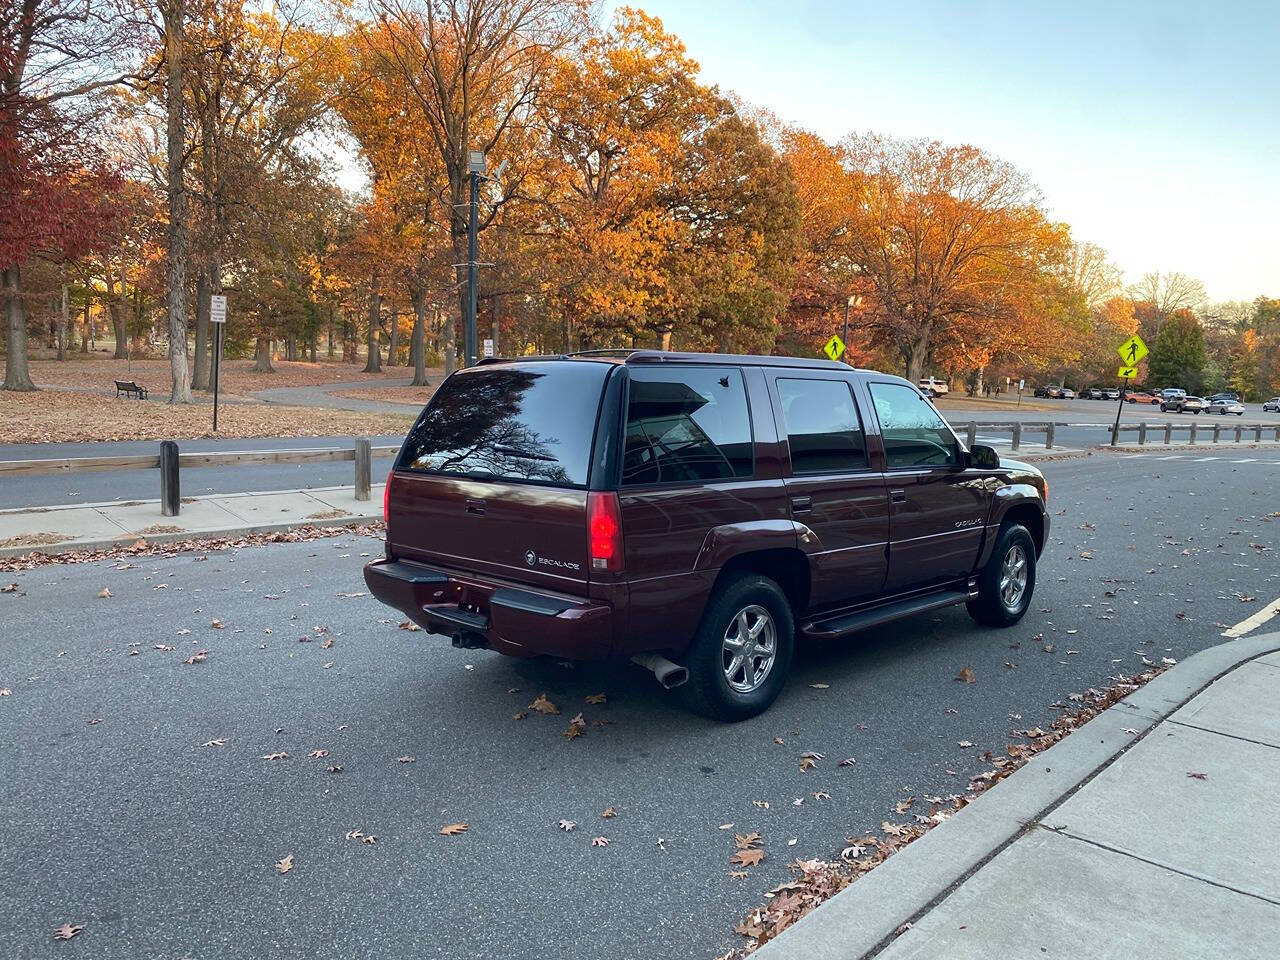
column 914, row 434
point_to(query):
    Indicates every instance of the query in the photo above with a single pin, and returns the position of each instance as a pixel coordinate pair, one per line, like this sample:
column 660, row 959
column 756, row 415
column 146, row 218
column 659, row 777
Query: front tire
column 741, row 655
column 1008, row 580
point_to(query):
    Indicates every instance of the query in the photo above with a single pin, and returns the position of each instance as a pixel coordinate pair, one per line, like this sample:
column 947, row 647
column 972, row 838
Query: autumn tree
column 1178, row 354
column 1165, row 294
column 56, row 59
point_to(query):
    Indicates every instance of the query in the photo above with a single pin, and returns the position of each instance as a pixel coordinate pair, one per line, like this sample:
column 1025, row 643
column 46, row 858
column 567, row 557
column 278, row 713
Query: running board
column 842, row 625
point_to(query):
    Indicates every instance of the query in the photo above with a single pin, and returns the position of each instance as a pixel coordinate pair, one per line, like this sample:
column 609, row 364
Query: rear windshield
column 528, row 422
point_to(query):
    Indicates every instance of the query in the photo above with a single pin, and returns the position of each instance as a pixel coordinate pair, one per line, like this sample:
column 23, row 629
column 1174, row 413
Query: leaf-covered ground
column 61, row 416
column 411, row 396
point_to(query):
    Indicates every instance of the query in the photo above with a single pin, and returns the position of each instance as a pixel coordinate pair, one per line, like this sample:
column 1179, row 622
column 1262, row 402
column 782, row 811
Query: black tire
column 709, row 691
column 989, row 607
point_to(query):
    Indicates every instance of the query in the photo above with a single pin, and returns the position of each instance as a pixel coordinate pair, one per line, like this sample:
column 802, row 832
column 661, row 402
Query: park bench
column 130, row 389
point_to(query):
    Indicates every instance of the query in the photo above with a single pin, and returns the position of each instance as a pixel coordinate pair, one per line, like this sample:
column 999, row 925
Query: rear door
column 937, row 506
column 492, row 479
column 835, row 495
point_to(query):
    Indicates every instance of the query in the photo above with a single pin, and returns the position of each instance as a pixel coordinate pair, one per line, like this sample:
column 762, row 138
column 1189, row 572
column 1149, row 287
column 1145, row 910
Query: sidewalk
column 103, row 525
column 1150, row 832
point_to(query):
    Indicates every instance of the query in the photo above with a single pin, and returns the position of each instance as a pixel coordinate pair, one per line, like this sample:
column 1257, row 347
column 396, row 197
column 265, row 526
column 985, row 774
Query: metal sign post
column 218, row 317
column 1131, row 351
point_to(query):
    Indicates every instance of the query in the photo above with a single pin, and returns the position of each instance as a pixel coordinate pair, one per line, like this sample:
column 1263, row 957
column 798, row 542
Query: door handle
column 801, row 504
column 475, row 506
column 897, row 496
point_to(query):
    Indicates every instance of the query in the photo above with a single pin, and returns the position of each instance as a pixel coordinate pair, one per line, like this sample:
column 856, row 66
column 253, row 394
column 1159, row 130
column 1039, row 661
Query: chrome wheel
column 1013, row 578
column 749, row 649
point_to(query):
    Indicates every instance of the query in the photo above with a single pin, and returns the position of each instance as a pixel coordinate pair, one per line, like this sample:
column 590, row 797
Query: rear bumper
column 516, row 621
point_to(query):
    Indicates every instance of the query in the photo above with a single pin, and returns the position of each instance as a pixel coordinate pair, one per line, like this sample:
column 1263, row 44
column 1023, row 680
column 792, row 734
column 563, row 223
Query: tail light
column 386, row 500
column 604, row 531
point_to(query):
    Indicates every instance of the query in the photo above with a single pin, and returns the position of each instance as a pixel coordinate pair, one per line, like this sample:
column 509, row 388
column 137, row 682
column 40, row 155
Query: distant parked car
column 1111, row 393
column 1169, row 393
column 1224, row 406
column 1226, row 395
column 1047, row 391
column 1066, row 393
column 933, row 387
column 1184, row 404
column 1093, row 393
column 1272, row 405
column 1141, row 396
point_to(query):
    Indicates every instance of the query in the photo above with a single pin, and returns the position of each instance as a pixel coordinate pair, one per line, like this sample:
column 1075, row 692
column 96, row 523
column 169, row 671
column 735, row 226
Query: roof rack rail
column 604, row 352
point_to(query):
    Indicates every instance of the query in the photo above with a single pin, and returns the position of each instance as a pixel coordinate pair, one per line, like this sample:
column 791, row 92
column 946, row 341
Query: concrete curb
column 1266, row 446
column 864, row 918
column 222, row 533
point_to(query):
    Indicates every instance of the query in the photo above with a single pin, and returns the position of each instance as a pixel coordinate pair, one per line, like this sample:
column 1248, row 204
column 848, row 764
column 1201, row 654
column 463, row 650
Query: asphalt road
column 166, row 848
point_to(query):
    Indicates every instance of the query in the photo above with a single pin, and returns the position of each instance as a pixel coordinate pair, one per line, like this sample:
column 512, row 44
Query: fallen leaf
column 576, row 726
column 762, row 804
column 9, row 588
column 335, row 768
column 354, row 834
column 902, row 806
column 409, row 625
column 609, row 813
column 747, row 841
column 67, row 931
column 543, row 705
column 220, row 742
column 328, row 642
column 453, row 829
column 285, row 865
column 216, row 623
column 820, row 686
column 847, row 762
column 738, row 874
column 281, row 755
column 164, row 647
column 821, row 795
column 599, row 841
column 747, row 858
column 597, row 698
column 200, row 656
column 966, row 675
column 1198, row 776
column 807, row 763
column 521, row 715
column 369, row 838
column 566, row 825
column 103, row 594
column 405, row 759
column 318, row 754
column 725, row 826
column 95, row 721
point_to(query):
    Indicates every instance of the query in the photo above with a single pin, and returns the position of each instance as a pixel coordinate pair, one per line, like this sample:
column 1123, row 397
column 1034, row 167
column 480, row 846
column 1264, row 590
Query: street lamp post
column 475, row 172
column 854, row 301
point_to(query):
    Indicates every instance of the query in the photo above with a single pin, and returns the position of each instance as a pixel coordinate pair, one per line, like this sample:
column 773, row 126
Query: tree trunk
column 200, row 368
column 88, row 329
column 17, row 374
column 64, row 320
column 348, row 341
column 330, row 345
column 176, row 246
column 291, row 347
column 314, row 337
column 120, row 318
column 418, row 342
column 374, row 363
column 262, row 356
column 394, row 344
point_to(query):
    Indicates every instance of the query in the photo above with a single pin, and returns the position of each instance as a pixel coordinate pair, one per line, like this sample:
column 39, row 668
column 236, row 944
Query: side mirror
column 984, row 457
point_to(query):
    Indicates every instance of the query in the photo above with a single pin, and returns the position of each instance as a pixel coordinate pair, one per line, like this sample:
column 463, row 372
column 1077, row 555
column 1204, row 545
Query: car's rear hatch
column 492, row 479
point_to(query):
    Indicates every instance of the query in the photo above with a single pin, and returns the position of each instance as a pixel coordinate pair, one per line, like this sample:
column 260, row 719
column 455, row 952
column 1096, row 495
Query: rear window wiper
column 525, row 454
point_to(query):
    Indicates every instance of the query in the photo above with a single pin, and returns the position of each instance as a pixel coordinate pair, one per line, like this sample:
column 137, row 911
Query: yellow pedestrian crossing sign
column 1132, row 351
column 1128, row 373
column 834, row 347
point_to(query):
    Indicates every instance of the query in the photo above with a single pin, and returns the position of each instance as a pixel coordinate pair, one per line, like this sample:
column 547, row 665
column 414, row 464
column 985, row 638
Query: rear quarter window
column 524, row 422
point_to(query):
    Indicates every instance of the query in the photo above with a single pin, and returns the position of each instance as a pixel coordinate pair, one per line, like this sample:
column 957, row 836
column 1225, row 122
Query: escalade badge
column 530, row 557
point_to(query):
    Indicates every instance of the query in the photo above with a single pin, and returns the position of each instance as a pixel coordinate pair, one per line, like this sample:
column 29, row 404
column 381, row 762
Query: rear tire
column 741, row 655
column 1008, row 581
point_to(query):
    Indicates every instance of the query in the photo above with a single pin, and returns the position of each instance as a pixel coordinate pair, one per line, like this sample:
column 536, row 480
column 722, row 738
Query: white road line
column 1246, row 460
column 1176, row 456
column 1252, row 623
column 1205, row 459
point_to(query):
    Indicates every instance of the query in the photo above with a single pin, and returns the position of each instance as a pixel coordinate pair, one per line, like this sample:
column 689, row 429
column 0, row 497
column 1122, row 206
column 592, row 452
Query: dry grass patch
column 54, row 416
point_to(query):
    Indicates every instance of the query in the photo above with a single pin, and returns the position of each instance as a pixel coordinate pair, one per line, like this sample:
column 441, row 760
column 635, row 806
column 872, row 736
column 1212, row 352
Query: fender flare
column 1003, row 500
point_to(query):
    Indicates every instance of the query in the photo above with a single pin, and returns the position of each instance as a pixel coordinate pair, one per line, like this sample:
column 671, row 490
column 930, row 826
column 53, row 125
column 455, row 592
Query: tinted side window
column 531, row 422
column 914, row 434
column 822, row 426
column 687, row 425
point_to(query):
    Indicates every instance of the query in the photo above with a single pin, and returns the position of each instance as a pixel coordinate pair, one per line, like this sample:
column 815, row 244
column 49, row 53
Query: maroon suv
column 694, row 513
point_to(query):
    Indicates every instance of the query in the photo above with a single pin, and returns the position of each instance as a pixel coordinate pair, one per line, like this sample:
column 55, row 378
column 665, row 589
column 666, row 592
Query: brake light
column 604, row 531
column 386, row 500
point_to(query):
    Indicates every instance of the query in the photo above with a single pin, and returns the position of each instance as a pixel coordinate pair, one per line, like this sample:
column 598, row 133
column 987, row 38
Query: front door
column 937, row 506
column 837, row 500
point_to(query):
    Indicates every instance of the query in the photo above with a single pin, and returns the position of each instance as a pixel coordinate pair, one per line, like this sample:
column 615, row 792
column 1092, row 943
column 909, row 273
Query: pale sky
column 1153, row 128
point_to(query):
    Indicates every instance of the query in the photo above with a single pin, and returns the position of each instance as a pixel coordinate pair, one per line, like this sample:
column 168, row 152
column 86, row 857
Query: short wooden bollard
column 1168, row 433
column 1017, row 435
column 973, row 434
column 1257, row 433
column 170, row 493
column 1142, row 432
column 1048, row 436
column 1217, row 432
column 1237, row 434
column 1194, row 425
column 364, row 467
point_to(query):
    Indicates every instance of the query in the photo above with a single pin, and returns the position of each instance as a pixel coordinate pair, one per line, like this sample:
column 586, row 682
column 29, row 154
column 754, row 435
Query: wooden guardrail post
column 1257, row 433
column 1194, row 425
column 1048, row 435
column 1017, row 434
column 364, row 467
column 1168, row 433
column 1217, row 432
column 170, row 493
column 973, row 433
column 1142, row 432
column 1237, row 434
